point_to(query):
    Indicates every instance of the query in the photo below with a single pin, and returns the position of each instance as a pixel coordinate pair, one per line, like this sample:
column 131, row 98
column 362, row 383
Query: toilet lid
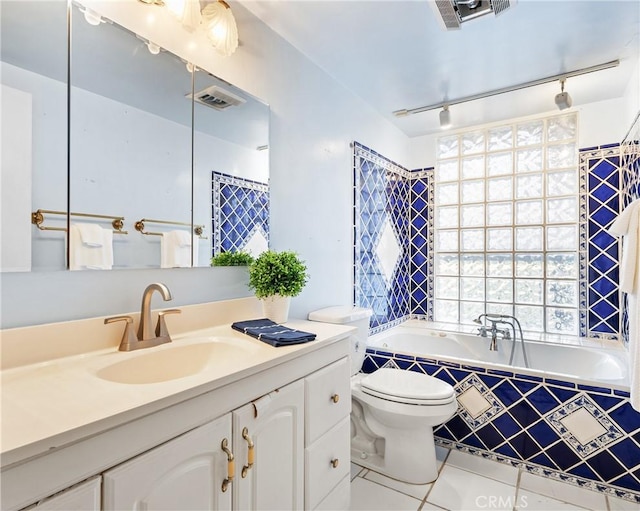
column 407, row 387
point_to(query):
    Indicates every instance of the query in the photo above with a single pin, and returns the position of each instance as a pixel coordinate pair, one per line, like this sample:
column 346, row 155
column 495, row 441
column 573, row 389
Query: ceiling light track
column 512, row 88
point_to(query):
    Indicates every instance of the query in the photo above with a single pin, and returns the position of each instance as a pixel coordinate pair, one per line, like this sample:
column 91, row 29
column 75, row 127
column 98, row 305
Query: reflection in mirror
column 33, row 71
column 130, row 156
column 231, row 167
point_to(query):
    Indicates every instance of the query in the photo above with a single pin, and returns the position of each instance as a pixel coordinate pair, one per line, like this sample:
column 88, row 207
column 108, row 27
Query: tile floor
column 468, row 482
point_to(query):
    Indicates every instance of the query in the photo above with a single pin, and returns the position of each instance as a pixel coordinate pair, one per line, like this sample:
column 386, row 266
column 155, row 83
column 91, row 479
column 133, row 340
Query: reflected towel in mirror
column 94, row 254
column 175, row 249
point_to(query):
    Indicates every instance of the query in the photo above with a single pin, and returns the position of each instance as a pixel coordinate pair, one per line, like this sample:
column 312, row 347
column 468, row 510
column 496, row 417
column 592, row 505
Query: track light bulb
column 563, row 100
column 445, row 118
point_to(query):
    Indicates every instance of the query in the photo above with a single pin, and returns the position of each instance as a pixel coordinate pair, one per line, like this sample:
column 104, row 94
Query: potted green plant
column 275, row 277
column 232, row 258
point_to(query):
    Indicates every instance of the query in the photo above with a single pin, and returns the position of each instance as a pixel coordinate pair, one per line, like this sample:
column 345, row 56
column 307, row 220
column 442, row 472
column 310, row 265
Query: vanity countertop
column 54, row 403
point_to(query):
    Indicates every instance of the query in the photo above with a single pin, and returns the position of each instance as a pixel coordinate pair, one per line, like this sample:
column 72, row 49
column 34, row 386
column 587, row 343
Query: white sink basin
column 170, row 362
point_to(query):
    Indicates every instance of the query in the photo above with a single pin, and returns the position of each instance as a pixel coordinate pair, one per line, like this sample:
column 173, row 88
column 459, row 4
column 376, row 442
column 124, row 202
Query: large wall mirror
column 167, row 164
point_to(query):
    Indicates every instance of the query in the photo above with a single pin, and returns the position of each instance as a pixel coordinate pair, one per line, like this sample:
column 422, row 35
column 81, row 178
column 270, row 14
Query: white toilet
column 393, row 411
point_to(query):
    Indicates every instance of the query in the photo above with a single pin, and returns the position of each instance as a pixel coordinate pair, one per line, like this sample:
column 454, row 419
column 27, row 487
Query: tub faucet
column 511, row 322
column 483, row 331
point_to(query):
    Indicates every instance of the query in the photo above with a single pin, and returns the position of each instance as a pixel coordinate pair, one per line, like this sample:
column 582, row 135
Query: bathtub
column 578, row 363
column 566, row 417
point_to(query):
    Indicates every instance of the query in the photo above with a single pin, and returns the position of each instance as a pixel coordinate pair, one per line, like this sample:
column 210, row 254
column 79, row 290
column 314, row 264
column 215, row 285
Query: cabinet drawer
column 339, row 499
column 327, row 398
column 321, row 476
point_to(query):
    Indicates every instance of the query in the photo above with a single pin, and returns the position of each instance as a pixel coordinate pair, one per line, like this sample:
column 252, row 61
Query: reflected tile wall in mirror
column 240, row 214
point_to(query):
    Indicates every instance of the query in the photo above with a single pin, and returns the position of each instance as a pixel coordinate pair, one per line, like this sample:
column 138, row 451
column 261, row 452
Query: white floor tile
column 563, row 491
column 622, row 505
column 457, row 489
column 529, row 501
column 355, row 470
column 441, row 455
column 488, row 468
column 413, row 490
column 369, row 496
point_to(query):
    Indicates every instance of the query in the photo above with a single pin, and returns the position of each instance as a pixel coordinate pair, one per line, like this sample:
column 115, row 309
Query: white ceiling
column 394, row 55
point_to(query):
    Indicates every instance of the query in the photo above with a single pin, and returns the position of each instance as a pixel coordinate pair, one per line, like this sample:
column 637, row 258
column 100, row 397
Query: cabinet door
column 82, row 497
column 275, row 426
column 186, row 473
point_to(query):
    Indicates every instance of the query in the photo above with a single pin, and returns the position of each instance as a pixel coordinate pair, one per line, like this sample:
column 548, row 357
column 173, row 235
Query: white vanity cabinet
column 265, row 441
column 327, row 437
column 169, row 454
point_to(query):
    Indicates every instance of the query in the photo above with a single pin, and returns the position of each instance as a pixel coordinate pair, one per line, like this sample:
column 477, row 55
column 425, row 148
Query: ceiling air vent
column 451, row 14
column 218, row 98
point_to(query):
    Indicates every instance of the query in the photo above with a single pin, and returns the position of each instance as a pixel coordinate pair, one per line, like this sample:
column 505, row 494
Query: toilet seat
column 407, row 387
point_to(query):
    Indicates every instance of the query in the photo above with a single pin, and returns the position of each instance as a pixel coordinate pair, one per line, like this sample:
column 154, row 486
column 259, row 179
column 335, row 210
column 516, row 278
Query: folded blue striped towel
column 272, row 333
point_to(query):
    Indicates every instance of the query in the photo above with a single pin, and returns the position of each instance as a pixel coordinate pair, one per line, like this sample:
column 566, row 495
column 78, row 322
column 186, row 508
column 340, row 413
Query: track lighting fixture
column 445, row 118
column 563, row 100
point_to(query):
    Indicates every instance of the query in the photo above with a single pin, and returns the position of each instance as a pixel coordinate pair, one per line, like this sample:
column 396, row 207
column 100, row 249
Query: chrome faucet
column 146, row 337
column 494, row 330
column 511, row 322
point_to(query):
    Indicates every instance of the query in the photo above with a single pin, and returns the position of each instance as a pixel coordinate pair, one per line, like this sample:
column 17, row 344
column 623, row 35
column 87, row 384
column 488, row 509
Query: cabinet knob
column 335, row 398
column 335, row 462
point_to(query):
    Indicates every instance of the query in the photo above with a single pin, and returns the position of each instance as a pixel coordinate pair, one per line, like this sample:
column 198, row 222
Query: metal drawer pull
column 335, row 462
column 231, row 465
column 250, row 452
column 335, row 398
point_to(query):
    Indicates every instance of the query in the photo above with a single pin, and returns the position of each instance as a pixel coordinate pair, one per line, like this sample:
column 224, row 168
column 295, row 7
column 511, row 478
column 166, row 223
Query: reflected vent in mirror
column 216, row 97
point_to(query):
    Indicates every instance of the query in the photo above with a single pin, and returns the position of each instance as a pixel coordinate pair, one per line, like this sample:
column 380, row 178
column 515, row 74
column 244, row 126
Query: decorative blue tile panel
column 585, row 435
column 240, row 211
column 421, row 239
column 382, row 248
column 602, row 168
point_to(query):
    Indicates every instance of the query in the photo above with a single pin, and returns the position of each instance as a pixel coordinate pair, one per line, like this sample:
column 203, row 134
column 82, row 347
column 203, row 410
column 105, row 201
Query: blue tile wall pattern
column 381, row 242
column 601, row 166
column 240, row 209
column 421, row 243
column 526, row 423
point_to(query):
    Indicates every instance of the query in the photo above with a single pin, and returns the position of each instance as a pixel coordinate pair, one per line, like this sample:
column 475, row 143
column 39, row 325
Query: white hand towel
column 174, row 253
column 628, row 225
column 184, row 240
column 90, row 257
column 90, row 234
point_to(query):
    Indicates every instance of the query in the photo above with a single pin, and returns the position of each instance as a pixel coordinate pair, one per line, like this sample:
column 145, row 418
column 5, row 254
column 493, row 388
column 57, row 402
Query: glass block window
column 507, row 224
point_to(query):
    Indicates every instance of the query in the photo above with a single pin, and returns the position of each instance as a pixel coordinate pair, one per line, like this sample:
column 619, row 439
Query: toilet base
column 410, row 457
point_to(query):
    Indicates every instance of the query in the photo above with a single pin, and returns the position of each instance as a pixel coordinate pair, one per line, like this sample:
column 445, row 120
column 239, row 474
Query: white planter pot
column 276, row 308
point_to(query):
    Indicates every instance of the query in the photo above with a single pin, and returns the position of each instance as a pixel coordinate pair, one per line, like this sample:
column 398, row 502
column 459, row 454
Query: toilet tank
column 349, row 315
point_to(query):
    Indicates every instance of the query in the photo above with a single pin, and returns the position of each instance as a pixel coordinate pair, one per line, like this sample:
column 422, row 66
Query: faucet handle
column 161, row 326
column 129, row 338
